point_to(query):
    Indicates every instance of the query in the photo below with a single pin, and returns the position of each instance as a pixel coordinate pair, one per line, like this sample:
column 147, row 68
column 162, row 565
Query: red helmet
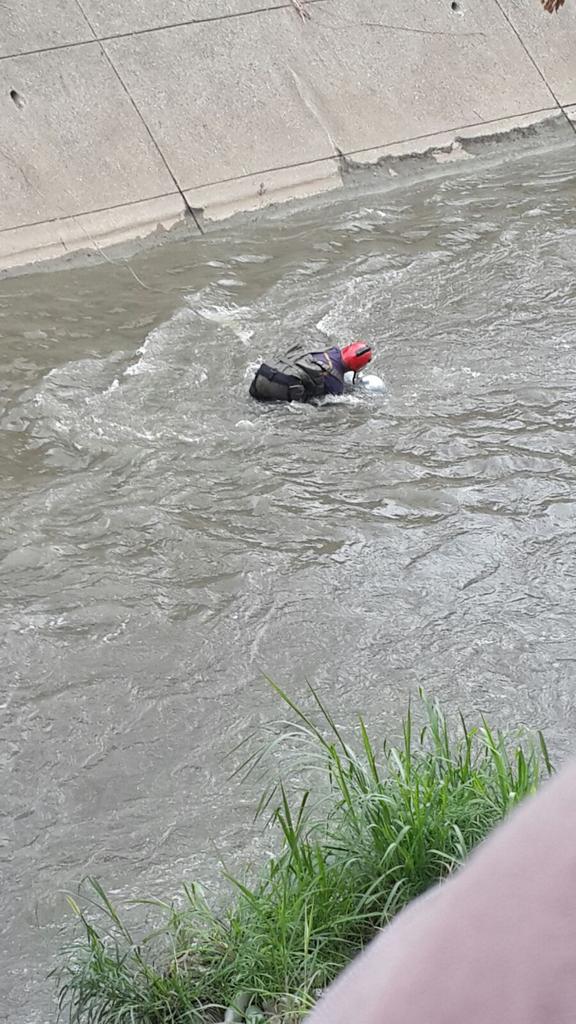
column 356, row 355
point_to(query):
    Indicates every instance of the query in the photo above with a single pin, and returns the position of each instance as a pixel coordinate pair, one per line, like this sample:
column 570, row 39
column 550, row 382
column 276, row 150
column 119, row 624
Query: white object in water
column 371, row 382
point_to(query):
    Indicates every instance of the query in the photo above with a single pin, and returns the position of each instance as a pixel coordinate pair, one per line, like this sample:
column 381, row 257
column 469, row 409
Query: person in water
column 301, row 376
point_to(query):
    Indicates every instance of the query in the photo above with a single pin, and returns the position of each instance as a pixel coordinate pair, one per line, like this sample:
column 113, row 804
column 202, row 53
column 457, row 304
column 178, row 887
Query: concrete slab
column 236, row 97
column 220, row 97
column 258, row 191
column 90, row 232
column 27, row 245
column 30, row 25
column 551, row 41
column 400, row 72
column 109, row 17
column 71, row 141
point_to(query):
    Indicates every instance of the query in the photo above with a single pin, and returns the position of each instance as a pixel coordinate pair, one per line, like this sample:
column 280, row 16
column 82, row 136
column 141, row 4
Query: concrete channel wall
column 118, row 117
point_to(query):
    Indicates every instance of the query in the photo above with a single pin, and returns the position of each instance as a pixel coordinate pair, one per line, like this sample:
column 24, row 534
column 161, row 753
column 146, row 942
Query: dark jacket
column 300, row 376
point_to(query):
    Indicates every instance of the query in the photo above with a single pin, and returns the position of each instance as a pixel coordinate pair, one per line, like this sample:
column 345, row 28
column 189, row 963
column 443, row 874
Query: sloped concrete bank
column 119, row 122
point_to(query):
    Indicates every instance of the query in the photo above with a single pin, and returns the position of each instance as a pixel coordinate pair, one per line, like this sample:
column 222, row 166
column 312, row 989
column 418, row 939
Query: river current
column 166, row 542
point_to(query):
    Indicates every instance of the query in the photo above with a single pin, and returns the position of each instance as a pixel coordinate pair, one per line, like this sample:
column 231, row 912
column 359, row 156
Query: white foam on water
column 215, row 314
column 251, row 368
column 341, row 400
column 251, row 258
column 162, row 342
column 186, row 438
column 353, row 304
column 145, row 362
column 231, row 317
column 244, row 334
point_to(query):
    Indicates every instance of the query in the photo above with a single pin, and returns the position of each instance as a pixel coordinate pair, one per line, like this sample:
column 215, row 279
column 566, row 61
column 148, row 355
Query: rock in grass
column 232, row 1016
column 254, row 1015
column 235, row 1013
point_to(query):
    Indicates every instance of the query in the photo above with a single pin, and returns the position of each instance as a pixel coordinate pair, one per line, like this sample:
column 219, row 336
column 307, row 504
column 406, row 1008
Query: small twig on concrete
column 299, row 6
column 552, row 5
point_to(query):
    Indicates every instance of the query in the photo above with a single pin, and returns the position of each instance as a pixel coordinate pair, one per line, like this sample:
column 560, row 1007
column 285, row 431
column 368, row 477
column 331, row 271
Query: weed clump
column 361, row 831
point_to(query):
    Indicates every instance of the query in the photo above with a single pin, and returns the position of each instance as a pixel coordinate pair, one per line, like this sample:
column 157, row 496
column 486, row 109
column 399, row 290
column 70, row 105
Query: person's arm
column 496, row 944
column 333, row 386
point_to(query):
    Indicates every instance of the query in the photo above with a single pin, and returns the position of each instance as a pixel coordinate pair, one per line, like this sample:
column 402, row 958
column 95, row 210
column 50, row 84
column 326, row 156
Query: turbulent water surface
column 165, row 542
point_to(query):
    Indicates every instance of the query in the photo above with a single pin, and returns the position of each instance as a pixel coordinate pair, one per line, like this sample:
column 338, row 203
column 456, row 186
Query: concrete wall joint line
column 88, row 213
column 154, row 28
column 536, row 66
column 532, row 59
column 153, row 139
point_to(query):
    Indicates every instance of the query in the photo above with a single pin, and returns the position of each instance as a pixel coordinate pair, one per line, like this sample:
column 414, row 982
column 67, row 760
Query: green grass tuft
column 361, row 832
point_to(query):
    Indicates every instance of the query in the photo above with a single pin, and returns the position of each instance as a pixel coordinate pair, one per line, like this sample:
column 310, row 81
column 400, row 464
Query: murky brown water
column 165, row 541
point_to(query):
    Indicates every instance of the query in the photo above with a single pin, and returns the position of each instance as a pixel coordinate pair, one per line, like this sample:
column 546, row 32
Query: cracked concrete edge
column 376, row 172
column 91, row 235
column 378, row 169
column 122, row 231
column 257, row 192
column 458, row 143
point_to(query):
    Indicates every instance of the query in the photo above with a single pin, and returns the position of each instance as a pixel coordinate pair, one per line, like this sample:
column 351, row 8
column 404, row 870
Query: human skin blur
column 496, row 944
